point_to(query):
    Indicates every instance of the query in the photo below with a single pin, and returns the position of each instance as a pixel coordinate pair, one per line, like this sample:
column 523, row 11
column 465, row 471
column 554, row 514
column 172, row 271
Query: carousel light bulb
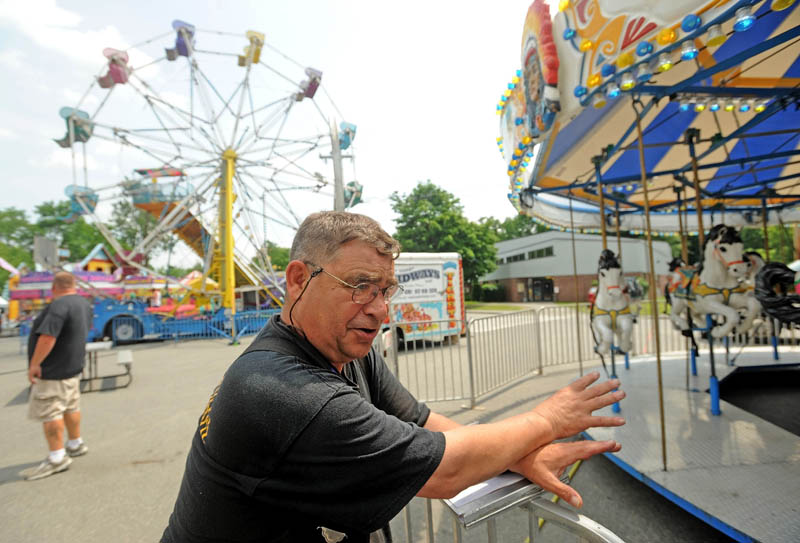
column 780, row 5
column 643, row 73
column 744, row 106
column 716, row 36
column 627, row 82
column 685, row 105
column 744, row 19
column 730, row 106
column 688, row 50
column 585, row 46
column 666, row 36
column 612, row 90
column 664, row 62
column 761, row 106
column 700, row 105
column 714, row 106
column 598, row 101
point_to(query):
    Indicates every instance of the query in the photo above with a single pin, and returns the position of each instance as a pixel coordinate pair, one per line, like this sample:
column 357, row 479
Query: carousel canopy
column 715, row 86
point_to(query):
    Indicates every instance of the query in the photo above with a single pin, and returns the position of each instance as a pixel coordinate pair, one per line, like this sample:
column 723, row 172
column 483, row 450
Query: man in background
column 56, row 355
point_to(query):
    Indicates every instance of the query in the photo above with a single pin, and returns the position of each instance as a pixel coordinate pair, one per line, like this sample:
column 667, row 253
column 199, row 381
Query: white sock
column 57, row 456
column 74, row 443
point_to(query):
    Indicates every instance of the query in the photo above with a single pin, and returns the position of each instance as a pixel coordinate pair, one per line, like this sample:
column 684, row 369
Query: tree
column 130, row 225
column 519, row 227
column 15, row 229
column 432, row 220
column 78, row 236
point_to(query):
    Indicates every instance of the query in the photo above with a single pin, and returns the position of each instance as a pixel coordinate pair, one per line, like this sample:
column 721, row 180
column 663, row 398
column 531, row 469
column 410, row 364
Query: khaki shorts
column 50, row 398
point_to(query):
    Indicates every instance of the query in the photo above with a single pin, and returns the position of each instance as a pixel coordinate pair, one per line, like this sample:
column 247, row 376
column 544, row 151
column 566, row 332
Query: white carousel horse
column 611, row 312
column 715, row 287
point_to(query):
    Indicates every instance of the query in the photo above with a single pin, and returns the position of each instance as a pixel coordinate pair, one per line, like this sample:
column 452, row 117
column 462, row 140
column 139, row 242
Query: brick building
column 539, row 267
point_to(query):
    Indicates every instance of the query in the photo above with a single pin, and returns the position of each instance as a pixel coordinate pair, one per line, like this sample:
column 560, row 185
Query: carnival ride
column 690, row 112
column 223, row 148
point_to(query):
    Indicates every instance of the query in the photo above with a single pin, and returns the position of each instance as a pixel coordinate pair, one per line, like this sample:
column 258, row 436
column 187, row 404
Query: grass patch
column 488, row 306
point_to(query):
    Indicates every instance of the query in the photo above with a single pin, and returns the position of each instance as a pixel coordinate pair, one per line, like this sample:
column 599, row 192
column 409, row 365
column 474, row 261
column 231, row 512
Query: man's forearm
column 476, row 453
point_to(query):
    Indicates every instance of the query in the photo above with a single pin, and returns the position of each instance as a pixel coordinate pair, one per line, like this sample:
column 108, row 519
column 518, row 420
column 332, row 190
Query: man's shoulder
column 276, row 371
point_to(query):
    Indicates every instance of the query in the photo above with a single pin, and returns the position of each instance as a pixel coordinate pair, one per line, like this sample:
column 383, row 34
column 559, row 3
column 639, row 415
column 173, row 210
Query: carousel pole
column 619, row 237
column 575, row 279
column 691, row 355
column 691, row 135
column 598, row 161
column 619, row 254
column 652, row 281
column 773, row 338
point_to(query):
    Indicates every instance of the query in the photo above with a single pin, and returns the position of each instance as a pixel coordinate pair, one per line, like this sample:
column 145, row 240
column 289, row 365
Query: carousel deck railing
column 498, row 350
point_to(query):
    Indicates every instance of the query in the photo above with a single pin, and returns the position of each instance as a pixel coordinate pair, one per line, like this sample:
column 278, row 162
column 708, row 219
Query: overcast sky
column 419, row 79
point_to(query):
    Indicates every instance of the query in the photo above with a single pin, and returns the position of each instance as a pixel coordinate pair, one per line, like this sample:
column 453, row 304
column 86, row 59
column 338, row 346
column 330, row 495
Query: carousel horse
column 715, row 288
column 611, row 311
column 674, row 280
column 778, row 291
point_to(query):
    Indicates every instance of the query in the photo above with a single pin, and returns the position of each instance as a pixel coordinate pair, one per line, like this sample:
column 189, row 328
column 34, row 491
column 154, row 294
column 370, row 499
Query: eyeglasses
column 363, row 293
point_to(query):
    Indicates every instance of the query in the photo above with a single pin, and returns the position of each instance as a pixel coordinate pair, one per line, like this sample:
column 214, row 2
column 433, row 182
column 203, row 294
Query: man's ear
column 296, row 276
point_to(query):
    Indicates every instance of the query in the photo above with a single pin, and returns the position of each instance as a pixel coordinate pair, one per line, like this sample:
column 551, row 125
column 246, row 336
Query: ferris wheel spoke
column 206, row 101
column 285, row 203
column 279, row 114
column 276, row 72
column 154, row 97
column 176, row 214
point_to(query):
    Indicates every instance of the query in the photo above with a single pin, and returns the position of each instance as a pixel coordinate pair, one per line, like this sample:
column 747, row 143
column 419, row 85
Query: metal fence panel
column 503, row 348
column 431, row 366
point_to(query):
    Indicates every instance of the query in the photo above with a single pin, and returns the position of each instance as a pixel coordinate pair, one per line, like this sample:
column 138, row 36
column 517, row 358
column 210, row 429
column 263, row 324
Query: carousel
column 675, row 118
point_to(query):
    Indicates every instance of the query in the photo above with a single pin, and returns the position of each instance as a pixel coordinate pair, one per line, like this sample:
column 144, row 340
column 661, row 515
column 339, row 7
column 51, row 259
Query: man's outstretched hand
column 545, row 465
column 569, row 411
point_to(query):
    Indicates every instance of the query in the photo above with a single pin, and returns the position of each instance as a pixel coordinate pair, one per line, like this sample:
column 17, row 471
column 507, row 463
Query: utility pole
column 336, row 155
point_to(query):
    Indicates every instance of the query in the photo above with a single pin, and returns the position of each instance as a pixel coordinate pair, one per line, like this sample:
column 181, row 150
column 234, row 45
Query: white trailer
column 431, row 306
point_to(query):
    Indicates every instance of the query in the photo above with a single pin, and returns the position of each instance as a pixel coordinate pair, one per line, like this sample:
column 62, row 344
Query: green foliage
column 130, row 225
column 489, row 292
column 279, row 256
column 780, row 238
column 15, row 230
column 78, row 237
column 432, row 220
column 518, row 226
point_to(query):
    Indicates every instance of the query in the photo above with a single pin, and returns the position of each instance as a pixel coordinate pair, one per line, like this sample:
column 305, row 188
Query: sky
column 419, row 79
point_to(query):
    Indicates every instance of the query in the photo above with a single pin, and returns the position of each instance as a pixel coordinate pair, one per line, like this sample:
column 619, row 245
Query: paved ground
column 124, row 489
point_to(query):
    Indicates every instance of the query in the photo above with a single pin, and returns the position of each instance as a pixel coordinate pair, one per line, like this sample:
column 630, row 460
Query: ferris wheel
column 221, row 137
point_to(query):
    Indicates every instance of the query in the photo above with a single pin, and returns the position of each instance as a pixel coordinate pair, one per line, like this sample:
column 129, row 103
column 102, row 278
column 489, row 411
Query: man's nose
column 378, row 307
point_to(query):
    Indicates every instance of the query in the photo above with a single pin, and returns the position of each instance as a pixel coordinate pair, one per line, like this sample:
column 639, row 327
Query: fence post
column 395, row 349
column 469, row 365
column 538, row 339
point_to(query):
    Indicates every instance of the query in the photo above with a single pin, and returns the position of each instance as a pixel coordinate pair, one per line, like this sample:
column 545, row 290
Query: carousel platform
column 736, row 471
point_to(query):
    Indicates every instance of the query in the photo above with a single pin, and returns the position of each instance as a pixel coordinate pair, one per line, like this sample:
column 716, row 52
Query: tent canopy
column 733, row 106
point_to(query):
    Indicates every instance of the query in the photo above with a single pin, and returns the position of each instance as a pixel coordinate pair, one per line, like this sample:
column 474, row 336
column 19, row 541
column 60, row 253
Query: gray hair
column 321, row 234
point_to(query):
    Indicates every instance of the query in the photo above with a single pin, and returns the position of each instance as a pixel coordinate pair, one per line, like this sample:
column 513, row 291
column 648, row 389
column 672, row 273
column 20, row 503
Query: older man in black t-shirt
column 56, row 353
column 310, row 438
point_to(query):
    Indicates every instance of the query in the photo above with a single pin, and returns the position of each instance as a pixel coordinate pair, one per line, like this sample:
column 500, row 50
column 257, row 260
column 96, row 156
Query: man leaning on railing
column 310, row 437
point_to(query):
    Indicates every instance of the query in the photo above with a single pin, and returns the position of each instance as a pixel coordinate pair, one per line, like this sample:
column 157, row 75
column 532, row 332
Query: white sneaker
column 80, row 450
column 45, row 469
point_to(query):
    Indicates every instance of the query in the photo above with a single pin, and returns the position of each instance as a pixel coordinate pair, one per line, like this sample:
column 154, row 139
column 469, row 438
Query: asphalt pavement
column 125, row 487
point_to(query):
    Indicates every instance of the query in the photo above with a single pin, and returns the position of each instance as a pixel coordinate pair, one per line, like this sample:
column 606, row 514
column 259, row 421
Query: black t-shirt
column 287, row 445
column 68, row 319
